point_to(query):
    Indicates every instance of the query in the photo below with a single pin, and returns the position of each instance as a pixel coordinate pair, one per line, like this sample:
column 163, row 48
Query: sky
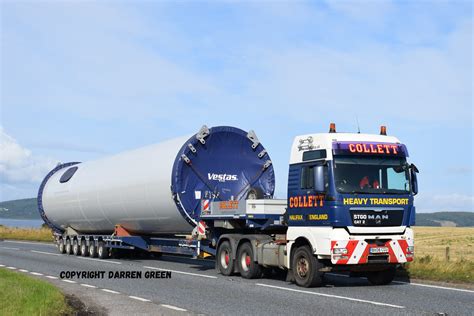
column 84, row 79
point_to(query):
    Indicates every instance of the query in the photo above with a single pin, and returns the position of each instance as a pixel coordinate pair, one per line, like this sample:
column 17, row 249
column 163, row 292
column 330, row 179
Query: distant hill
column 20, row 209
column 28, row 209
column 460, row 219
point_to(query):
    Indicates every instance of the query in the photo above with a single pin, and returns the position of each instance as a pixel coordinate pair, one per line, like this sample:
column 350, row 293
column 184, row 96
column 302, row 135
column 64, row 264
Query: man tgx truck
column 349, row 205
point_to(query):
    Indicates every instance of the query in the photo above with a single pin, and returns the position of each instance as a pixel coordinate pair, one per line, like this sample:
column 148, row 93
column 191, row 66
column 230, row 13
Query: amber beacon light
column 383, row 130
column 332, row 128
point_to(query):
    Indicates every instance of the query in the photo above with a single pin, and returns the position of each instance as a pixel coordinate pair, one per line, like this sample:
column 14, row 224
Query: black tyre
column 306, row 267
column 225, row 263
column 92, row 249
column 75, row 247
column 61, row 246
column 102, row 250
column 381, row 277
column 84, row 250
column 248, row 268
column 68, row 246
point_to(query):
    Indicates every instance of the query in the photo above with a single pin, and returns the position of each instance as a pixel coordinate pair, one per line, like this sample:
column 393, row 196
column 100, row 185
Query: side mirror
column 414, row 181
column 319, row 183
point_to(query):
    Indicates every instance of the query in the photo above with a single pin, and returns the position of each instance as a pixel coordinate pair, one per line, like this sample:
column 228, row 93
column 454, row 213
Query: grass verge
column 426, row 267
column 23, row 295
column 34, row 234
column 443, row 254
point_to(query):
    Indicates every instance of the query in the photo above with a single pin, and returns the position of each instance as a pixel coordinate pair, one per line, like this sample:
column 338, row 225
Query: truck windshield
column 371, row 175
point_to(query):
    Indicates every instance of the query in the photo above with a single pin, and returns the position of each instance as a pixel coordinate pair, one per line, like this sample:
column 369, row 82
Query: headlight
column 339, row 251
column 410, row 249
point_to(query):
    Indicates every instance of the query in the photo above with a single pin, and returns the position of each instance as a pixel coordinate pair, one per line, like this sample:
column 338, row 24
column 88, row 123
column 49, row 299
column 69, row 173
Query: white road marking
column 88, row 285
column 11, row 268
column 52, row 277
column 110, row 291
column 182, row 272
column 10, row 248
column 23, row 270
column 100, row 260
column 414, row 284
column 434, row 286
column 69, row 281
column 36, row 273
column 45, row 253
column 174, row 307
column 139, row 298
column 331, row 296
column 31, row 243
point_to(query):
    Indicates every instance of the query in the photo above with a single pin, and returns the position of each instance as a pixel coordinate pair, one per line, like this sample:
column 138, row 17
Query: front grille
column 372, row 218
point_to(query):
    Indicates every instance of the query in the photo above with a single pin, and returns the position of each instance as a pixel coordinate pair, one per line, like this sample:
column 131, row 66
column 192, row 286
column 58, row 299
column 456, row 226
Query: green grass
column 23, row 295
column 426, row 267
column 34, row 234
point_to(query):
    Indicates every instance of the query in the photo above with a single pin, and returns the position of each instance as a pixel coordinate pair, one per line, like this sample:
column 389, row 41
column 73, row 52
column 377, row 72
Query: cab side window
column 307, row 177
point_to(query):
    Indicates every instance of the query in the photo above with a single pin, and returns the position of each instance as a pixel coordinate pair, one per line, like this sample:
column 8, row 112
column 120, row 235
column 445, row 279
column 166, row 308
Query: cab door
column 307, row 189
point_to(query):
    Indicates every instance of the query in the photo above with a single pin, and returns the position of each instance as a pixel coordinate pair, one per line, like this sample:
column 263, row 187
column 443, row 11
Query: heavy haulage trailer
column 349, row 205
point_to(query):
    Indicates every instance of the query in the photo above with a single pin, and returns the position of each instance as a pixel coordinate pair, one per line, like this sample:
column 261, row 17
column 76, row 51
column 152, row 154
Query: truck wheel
column 306, row 267
column 102, row 250
column 68, row 246
column 225, row 263
column 381, row 277
column 84, row 250
column 248, row 268
column 75, row 247
column 61, row 247
column 92, row 249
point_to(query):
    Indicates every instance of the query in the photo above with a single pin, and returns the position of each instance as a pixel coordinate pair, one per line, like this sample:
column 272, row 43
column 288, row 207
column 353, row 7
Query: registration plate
column 377, row 250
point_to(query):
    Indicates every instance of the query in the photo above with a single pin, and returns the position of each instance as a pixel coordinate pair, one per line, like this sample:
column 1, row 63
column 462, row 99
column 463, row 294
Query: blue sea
column 25, row 223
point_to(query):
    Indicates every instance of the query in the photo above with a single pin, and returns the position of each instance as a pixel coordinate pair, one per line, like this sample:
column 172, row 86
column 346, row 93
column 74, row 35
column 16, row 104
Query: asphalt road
column 196, row 288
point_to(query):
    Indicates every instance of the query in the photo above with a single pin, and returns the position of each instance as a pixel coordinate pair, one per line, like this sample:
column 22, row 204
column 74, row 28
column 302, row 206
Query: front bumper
column 367, row 249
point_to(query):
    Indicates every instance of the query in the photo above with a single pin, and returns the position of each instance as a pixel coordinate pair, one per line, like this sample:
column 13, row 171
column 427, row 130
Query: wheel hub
column 247, row 260
column 302, row 267
column 225, row 259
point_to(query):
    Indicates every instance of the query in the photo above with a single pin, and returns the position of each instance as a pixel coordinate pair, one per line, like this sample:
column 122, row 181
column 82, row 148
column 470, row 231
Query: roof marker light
column 383, row 130
column 332, row 128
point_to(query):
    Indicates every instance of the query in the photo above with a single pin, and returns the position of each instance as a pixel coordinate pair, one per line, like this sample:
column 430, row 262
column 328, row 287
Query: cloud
column 360, row 10
column 19, row 165
column 102, row 68
column 452, row 202
column 377, row 80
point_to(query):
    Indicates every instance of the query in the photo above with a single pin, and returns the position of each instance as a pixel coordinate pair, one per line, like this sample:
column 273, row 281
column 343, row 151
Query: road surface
column 196, row 288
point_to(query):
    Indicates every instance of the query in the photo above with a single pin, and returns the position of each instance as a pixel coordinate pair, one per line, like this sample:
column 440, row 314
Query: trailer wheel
column 102, row 250
column 84, row 250
column 75, row 247
column 92, row 249
column 68, row 246
column 225, row 263
column 381, row 277
column 306, row 267
column 61, row 247
column 248, row 268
